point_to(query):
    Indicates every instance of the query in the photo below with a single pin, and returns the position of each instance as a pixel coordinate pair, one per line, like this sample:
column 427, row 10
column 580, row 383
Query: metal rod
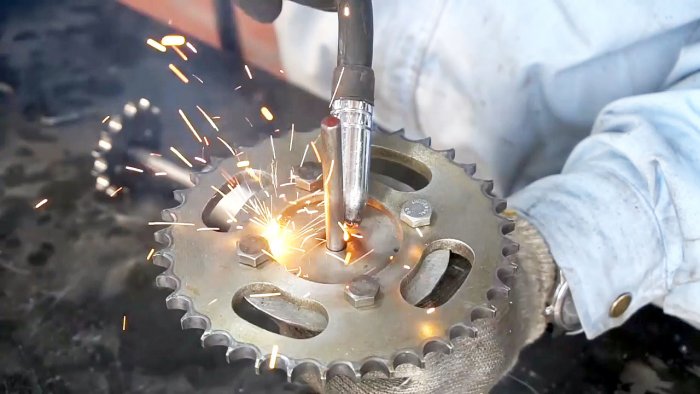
column 332, row 164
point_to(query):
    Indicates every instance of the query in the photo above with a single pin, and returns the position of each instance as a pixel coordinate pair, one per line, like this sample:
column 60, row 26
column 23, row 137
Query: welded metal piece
column 331, row 159
column 362, row 291
column 308, row 176
column 416, row 212
column 310, row 277
column 356, row 125
column 251, row 250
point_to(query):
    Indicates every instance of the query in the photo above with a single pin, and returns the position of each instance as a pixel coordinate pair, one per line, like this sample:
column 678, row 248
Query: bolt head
column 250, row 250
column 308, row 176
column 362, row 291
column 416, row 212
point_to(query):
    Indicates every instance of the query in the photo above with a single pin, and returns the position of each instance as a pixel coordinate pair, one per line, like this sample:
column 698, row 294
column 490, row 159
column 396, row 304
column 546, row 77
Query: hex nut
column 362, row 291
column 250, row 250
column 416, row 212
column 308, row 176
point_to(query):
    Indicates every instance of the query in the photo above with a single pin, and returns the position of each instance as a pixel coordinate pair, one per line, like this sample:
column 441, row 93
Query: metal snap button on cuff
column 620, row 305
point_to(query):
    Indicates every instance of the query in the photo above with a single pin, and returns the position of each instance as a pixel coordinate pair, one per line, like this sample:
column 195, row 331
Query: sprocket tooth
column 180, row 196
column 169, row 215
column 307, row 372
column 342, row 368
column 448, row 153
column 498, row 204
column 167, row 281
column 482, row 312
column 498, row 293
column 509, row 247
column 506, row 225
column 469, row 169
column 487, row 188
column 398, row 133
column 506, row 276
column 162, row 258
column 242, row 351
column 194, row 320
column 262, row 365
column 407, row 356
column 436, row 345
column 375, row 366
column 461, row 330
column 216, row 338
column 195, row 178
column 178, row 301
column 164, row 236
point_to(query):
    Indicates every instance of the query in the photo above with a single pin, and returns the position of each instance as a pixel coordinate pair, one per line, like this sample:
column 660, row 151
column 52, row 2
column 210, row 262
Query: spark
column 272, row 143
column 208, row 229
column 406, row 267
column 170, row 223
column 266, row 113
column 262, row 295
column 180, row 53
column 155, row 154
column 330, row 173
column 199, row 159
column 247, row 70
column 318, row 157
column 189, row 125
column 268, row 254
column 213, row 301
column 208, row 118
column 155, row 44
column 114, row 193
column 243, row 163
column 206, row 141
column 41, row 203
column 340, row 77
column 134, row 169
column 172, row 40
column 391, row 258
column 273, row 357
column 248, row 120
column 176, row 152
column 335, row 257
column 291, row 140
column 348, row 256
column 304, row 155
column 198, row 78
column 430, row 310
column 363, row 256
column 419, row 232
column 150, row 254
column 124, row 323
column 281, row 71
column 346, row 11
column 227, row 146
column 307, row 295
column 192, row 48
column 105, row 119
column 179, row 73
column 237, row 87
column 161, row 173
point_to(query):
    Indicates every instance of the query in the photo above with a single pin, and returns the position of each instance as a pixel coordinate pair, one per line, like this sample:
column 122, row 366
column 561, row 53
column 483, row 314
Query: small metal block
column 250, row 250
column 308, row 176
column 362, row 291
column 416, row 212
column 620, row 305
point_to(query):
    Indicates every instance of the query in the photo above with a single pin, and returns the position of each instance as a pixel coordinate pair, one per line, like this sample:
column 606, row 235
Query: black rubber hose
column 355, row 46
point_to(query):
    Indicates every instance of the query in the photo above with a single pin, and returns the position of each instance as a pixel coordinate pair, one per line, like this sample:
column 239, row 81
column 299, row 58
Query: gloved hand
column 476, row 364
column 266, row 11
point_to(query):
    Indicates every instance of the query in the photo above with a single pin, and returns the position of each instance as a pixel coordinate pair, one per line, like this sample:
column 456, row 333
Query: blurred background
column 78, row 309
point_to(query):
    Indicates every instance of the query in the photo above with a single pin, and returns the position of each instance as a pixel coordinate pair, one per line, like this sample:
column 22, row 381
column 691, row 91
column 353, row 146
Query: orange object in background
column 198, row 19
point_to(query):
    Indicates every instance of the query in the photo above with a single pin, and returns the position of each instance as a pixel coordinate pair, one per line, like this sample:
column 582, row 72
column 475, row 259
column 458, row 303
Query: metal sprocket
column 205, row 279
